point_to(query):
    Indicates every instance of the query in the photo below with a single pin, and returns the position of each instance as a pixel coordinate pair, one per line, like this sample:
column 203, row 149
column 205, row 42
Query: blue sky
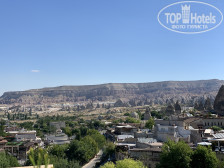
column 76, row 42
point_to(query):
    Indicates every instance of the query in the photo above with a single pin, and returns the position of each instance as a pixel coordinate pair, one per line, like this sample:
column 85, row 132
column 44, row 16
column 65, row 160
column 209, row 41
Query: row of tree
column 77, row 153
column 180, row 155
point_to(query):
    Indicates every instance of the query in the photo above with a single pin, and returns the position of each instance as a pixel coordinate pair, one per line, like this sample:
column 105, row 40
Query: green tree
column 59, row 162
column 216, row 128
column 131, row 120
column 109, row 148
column 129, row 163
column 175, row 155
column 126, row 114
column 7, row 160
column 67, row 131
column 27, row 125
column 150, row 123
column 83, row 150
column 58, row 150
column 99, row 139
column 204, row 157
column 108, row 165
column 90, row 148
column 126, row 163
column 38, row 157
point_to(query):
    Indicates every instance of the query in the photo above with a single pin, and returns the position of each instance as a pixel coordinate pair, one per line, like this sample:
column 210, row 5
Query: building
column 176, row 133
column 24, row 135
column 149, row 156
column 125, row 130
column 58, row 125
column 57, row 139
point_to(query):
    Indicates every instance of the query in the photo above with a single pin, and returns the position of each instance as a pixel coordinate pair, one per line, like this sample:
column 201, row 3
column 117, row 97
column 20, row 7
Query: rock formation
column 156, row 92
column 170, row 109
column 147, row 114
column 208, row 104
column 177, row 108
column 219, row 102
column 134, row 115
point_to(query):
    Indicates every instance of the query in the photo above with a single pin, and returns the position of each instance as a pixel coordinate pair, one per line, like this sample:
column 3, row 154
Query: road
column 93, row 162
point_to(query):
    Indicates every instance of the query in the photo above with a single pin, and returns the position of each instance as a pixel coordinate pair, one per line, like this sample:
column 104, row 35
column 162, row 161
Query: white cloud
column 35, row 70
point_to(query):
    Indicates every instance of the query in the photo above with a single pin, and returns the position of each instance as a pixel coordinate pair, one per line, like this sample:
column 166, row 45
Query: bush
column 8, row 160
column 126, row 163
column 216, row 128
column 131, row 120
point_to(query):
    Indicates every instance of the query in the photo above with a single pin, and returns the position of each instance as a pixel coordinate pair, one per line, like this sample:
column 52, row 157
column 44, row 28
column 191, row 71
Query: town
column 120, row 132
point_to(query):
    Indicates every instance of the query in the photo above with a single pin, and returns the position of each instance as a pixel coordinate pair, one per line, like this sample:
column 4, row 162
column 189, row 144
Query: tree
column 129, row 163
column 204, row 157
column 175, row 155
column 38, row 157
column 59, row 162
column 27, row 125
column 150, row 123
column 83, row 150
column 7, row 160
column 126, row 163
column 67, row 131
column 89, row 147
column 2, row 132
column 99, row 139
column 109, row 148
column 131, row 120
column 216, row 128
column 58, row 150
column 127, row 114
column 108, row 165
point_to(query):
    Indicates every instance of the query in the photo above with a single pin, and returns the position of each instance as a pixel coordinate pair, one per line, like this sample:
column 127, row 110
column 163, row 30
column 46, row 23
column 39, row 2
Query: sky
column 47, row 43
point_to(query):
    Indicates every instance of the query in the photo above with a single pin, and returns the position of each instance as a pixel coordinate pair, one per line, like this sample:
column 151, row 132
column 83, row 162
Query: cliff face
column 156, row 92
column 219, row 102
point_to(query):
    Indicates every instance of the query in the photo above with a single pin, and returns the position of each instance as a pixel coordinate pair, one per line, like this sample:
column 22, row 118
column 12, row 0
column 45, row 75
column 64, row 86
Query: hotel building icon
column 186, row 13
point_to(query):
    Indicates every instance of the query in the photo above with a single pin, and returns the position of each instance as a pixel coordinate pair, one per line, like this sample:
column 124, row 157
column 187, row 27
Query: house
column 59, row 139
column 125, row 130
column 149, row 156
column 58, row 125
column 19, row 149
column 24, row 135
column 176, row 133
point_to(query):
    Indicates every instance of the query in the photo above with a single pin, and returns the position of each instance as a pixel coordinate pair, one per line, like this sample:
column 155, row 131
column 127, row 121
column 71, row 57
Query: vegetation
column 38, row 157
column 180, row 155
column 84, row 147
column 204, row 157
column 157, row 114
column 176, row 155
column 7, row 160
column 126, row 114
column 150, row 123
column 126, row 163
column 216, row 128
column 26, row 125
column 131, row 120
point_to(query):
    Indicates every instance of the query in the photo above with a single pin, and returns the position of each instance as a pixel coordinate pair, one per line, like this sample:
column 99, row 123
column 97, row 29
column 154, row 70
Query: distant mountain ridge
column 155, row 92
